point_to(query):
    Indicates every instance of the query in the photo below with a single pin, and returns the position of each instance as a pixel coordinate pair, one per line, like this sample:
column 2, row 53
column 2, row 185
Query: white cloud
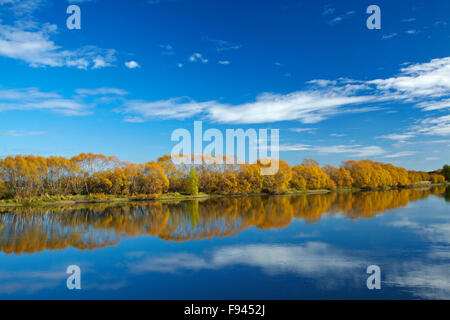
column 309, row 130
column 23, row 133
column 322, row 82
column 28, row 99
column 328, row 10
column 222, row 45
column 400, row 154
column 352, row 150
column 177, row 108
column 306, row 106
column 198, row 57
column 224, row 62
column 427, row 85
column 22, row 7
column 401, row 137
column 435, row 105
column 80, row 1
column 26, row 94
column 132, row 64
column 101, row 91
column 389, row 36
column 34, row 46
column 342, row 17
column 295, row 147
column 338, row 135
column 431, row 79
column 167, row 49
column 434, row 126
column 335, row 20
column 63, row 106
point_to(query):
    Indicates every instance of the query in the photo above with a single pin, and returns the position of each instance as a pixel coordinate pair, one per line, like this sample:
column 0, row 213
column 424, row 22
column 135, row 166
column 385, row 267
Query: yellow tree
column 341, row 176
column 154, row 181
column 298, row 181
column 250, row 179
column 280, row 180
column 437, row 178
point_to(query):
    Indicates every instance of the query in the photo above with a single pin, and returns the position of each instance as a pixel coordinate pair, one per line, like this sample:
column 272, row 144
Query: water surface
column 272, row 247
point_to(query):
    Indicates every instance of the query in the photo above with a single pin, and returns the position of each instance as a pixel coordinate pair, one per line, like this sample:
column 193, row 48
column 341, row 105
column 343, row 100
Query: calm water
column 279, row 247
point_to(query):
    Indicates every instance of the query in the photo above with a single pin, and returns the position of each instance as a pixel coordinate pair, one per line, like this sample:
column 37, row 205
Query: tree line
column 85, row 174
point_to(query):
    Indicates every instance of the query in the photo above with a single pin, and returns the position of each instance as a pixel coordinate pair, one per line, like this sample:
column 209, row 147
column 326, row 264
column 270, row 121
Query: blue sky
column 137, row 70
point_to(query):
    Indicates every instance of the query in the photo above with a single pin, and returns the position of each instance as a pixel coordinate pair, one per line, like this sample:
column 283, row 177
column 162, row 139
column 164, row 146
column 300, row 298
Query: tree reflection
column 30, row 230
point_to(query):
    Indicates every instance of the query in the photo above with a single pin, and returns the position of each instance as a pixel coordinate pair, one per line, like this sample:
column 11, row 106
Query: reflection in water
column 29, row 230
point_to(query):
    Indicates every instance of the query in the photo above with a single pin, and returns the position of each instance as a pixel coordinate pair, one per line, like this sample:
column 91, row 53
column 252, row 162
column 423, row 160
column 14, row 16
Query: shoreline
column 79, row 200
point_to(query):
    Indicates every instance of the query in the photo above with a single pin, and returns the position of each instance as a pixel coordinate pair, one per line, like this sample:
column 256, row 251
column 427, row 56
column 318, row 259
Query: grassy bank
column 96, row 198
column 112, row 199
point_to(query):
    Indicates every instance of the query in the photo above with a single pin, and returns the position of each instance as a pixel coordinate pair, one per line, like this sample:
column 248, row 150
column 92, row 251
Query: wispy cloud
column 439, row 126
column 177, row 108
column 23, row 133
column 338, row 135
column 29, row 99
column 32, row 99
column 167, row 49
column 398, row 136
column 299, row 130
column 341, row 18
column 352, row 150
column 22, row 7
column 34, row 46
column 327, row 10
column 400, row 154
column 389, row 36
column 434, row 105
column 223, row 45
column 101, row 92
column 427, row 85
column 198, row 57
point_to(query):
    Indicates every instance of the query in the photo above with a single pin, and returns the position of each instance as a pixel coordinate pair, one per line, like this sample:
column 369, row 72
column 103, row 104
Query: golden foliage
column 84, row 174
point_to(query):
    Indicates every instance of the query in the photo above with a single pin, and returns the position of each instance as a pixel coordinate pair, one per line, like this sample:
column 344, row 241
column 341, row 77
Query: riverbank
column 111, row 199
column 95, row 198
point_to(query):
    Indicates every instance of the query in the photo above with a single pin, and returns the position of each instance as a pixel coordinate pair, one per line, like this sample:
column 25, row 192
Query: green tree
column 192, row 182
column 446, row 172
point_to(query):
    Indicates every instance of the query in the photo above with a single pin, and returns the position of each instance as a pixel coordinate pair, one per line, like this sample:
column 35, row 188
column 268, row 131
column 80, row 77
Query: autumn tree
column 175, row 174
column 437, row 178
column 298, row 181
column 250, row 179
column 153, row 180
column 280, row 180
column 314, row 176
column 340, row 176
